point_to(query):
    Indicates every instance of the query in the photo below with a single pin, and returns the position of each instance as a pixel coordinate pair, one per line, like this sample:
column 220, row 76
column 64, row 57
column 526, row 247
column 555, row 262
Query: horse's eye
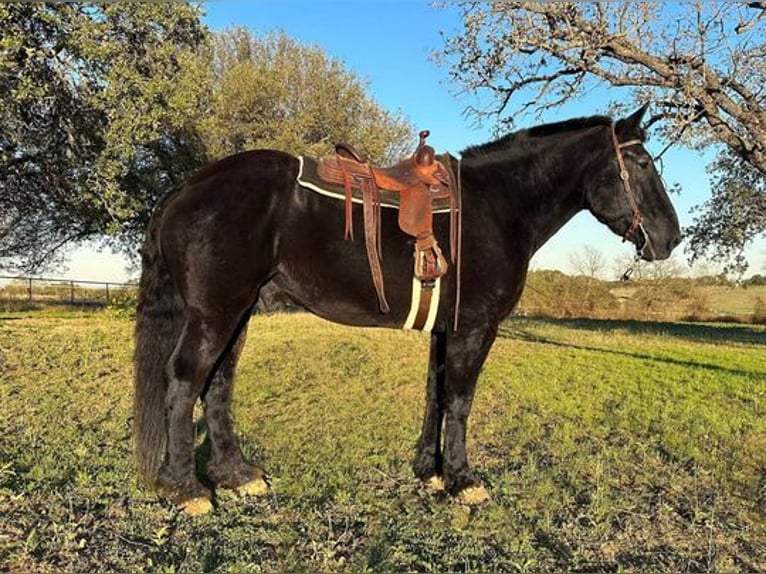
column 643, row 162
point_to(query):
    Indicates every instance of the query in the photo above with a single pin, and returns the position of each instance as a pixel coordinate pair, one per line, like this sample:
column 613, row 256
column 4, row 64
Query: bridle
column 638, row 219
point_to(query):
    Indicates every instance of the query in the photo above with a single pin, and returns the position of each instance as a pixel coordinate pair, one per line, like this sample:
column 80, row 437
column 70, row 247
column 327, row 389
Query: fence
column 43, row 290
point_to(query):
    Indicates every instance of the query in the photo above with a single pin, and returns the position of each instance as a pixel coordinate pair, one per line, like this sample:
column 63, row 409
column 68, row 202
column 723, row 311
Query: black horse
column 243, row 226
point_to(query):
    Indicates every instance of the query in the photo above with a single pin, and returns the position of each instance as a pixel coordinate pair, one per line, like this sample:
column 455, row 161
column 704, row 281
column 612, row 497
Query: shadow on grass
column 514, row 329
column 701, row 332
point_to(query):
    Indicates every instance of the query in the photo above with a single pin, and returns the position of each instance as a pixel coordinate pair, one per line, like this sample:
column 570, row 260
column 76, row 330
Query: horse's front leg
column 466, row 351
column 428, row 464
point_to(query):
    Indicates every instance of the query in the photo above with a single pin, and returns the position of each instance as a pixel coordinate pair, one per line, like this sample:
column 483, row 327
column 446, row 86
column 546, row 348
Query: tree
column 589, row 262
column 735, row 212
column 272, row 92
column 701, row 65
column 106, row 107
column 95, row 119
column 755, row 281
column 641, row 270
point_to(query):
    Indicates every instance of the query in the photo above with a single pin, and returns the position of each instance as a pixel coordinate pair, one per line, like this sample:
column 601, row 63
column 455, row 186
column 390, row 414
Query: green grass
column 606, row 445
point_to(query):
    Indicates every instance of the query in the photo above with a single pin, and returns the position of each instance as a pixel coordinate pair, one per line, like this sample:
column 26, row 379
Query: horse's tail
column 159, row 320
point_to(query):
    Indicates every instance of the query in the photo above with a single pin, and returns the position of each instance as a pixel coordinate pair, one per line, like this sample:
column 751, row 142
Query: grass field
column 735, row 301
column 607, row 446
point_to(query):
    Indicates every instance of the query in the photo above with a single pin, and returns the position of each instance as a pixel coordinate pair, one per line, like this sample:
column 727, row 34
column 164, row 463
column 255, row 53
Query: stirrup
column 430, row 263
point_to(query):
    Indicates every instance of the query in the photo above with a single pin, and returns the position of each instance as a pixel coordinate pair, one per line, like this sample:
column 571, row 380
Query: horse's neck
column 533, row 194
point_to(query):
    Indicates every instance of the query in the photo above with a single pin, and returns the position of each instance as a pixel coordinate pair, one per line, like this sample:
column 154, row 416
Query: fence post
column 29, row 290
column 107, row 293
column 71, row 292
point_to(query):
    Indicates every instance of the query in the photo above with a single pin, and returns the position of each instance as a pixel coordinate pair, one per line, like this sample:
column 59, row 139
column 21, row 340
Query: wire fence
column 50, row 291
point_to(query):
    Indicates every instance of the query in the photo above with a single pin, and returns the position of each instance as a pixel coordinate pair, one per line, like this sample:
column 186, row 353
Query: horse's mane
column 528, row 135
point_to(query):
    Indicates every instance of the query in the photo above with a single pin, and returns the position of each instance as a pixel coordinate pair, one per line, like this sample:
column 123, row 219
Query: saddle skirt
column 418, row 187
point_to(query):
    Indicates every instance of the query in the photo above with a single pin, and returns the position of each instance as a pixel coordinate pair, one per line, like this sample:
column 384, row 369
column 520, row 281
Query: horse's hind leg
column 227, row 467
column 202, row 341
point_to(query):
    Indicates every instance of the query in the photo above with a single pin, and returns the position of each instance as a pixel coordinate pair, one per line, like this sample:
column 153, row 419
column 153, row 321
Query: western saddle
column 418, row 180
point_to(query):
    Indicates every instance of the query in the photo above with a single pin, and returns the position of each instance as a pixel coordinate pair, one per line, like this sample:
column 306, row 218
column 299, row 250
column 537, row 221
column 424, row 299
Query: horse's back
column 244, row 221
column 217, row 232
column 245, row 174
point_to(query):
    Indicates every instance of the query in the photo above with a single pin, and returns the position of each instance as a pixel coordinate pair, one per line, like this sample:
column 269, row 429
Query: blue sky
column 390, row 44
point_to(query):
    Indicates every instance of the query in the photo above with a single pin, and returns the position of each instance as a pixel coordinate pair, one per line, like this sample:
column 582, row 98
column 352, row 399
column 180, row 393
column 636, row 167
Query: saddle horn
column 424, row 154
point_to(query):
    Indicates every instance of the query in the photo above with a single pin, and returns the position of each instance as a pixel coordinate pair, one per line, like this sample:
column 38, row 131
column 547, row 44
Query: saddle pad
column 308, row 178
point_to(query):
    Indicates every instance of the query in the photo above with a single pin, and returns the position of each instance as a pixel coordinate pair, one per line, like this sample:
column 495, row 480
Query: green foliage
column 606, row 445
column 272, row 92
column 107, row 107
column 96, row 121
column 734, row 215
column 123, row 304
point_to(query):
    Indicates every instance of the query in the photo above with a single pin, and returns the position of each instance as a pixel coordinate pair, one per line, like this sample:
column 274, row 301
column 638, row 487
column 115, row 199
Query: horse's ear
column 631, row 126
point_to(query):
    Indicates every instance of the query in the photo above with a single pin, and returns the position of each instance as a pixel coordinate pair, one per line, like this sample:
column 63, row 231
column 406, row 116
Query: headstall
column 638, row 219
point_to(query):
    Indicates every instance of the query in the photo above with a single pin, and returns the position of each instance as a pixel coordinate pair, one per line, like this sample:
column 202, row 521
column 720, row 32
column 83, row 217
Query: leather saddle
column 418, row 180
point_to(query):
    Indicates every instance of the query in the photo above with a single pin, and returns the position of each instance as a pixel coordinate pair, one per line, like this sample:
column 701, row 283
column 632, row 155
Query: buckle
column 427, row 284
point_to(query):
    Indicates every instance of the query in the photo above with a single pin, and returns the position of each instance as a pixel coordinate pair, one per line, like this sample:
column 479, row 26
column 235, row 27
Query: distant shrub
column 698, row 306
column 554, row 294
column 759, row 310
column 720, row 280
column 671, row 298
column 15, row 305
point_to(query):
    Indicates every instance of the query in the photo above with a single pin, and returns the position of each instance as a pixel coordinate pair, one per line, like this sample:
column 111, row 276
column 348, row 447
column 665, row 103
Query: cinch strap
column 424, row 306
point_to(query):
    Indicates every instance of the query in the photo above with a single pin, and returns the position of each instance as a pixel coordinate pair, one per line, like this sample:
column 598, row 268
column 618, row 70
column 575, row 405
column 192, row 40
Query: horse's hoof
column 196, row 506
column 256, row 487
column 473, row 495
column 436, row 483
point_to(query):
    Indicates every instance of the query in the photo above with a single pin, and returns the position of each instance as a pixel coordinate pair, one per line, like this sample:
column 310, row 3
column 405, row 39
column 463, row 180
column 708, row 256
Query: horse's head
column 627, row 193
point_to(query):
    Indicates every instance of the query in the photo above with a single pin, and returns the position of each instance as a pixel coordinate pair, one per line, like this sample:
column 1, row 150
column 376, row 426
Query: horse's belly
column 334, row 281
